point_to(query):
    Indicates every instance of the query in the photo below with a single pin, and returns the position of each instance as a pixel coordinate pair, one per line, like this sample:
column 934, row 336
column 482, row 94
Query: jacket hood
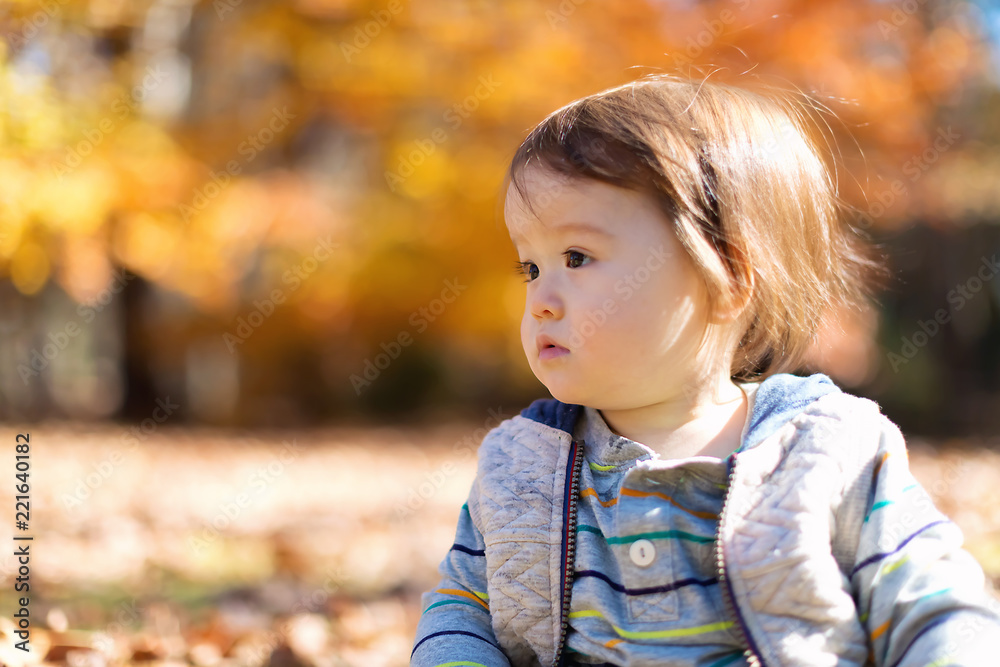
column 777, row 400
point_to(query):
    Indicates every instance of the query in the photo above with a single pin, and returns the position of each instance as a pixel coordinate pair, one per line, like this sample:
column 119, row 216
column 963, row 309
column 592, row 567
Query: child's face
column 614, row 311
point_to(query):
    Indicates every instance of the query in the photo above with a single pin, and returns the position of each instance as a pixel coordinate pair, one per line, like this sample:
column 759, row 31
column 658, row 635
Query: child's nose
column 545, row 303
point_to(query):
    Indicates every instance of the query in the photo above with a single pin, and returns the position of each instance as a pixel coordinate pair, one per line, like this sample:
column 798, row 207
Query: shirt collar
column 607, row 448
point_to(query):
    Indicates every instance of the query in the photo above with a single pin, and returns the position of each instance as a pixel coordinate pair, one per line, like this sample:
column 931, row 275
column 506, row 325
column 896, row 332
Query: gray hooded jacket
column 829, row 552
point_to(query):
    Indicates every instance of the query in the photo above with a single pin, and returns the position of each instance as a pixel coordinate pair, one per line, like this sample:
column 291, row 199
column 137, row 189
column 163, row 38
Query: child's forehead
column 541, row 187
column 552, row 203
column 544, row 198
column 548, row 214
column 528, row 228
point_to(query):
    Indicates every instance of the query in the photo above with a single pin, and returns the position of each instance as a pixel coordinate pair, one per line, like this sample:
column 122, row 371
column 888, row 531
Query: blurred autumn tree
column 276, row 212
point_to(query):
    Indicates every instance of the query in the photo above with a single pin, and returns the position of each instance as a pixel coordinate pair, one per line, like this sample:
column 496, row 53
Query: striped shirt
column 646, row 590
column 835, row 552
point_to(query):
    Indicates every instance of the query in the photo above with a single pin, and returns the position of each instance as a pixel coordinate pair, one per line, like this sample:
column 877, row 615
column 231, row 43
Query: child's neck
column 708, row 425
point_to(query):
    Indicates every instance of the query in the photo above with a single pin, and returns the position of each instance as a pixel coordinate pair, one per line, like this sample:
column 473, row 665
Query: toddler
column 684, row 499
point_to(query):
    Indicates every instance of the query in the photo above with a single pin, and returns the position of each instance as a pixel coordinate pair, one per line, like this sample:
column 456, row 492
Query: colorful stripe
column 878, row 466
column 880, row 630
column 877, row 557
column 927, row 628
column 882, row 503
column 589, row 491
column 468, row 550
column 930, row 595
column 478, row 597
column 728, row 660
column 878, row 506
column 597, row 467
column 452, row 632
column 894, row 566
column 655, row 634
column 661, row 535
column 446, row 602
column 656, row 535
column 666, row 588
column 645, row 494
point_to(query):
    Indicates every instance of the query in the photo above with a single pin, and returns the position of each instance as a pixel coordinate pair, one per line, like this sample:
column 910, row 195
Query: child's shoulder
column 850, row 428
column 521, row 469
column 848, row 412
column 533, row 444
column 844, row 407
column 544, row 425
column 794, row 415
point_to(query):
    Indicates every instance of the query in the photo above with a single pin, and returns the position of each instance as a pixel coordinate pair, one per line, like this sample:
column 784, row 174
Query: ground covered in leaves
column 309, row 548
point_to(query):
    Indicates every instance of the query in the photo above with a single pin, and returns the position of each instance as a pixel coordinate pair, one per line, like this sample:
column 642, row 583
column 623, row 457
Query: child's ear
column 729, row 308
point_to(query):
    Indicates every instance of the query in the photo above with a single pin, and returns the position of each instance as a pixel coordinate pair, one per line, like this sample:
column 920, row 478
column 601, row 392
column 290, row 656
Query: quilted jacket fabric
column 829, row 550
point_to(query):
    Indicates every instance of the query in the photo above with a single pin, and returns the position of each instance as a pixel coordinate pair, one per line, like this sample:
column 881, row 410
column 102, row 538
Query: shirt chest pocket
column 647, row 569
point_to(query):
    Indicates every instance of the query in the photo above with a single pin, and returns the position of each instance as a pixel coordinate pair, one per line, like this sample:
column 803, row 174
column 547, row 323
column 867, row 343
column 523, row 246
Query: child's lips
column 552, row 352
column 549, row 349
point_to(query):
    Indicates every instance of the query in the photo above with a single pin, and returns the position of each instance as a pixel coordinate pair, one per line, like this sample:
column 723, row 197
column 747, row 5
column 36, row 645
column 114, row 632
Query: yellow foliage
column 395, row 145
column 145, row 243
column 29, row 268
column 77, row 203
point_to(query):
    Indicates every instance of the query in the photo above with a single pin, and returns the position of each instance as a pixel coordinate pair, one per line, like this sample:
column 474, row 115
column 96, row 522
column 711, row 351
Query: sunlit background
column 257, row 306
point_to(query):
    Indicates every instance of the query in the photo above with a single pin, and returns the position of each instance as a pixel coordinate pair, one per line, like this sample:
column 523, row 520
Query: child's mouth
column 551, row 352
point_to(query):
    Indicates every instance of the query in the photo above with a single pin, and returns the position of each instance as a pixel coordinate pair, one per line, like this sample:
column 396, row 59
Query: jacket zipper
column 728, row 594
column 569, row 537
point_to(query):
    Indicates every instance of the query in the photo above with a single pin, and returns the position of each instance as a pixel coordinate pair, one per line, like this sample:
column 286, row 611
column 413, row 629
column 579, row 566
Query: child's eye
column 526, row 269
column 574, row 260
column 572, row 255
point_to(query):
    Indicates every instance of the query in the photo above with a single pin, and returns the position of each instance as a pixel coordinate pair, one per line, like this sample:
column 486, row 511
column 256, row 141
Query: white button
column 642, row 552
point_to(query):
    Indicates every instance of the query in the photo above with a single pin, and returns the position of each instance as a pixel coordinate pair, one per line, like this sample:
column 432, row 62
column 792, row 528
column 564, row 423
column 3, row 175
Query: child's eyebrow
column 569, row 227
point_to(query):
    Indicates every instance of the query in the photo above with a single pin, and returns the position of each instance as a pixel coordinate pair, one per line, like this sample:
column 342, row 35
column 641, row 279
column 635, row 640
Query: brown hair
column 751, row 199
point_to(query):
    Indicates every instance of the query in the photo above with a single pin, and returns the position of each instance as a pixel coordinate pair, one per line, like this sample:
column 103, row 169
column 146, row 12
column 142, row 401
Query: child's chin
column 565, row 394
